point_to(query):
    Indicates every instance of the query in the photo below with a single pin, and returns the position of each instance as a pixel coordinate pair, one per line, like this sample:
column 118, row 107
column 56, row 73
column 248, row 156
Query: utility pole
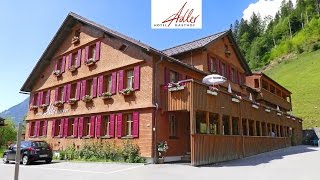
column 18, row 153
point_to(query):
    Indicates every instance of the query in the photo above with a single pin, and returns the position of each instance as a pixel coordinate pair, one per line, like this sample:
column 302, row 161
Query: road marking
column 81, row 171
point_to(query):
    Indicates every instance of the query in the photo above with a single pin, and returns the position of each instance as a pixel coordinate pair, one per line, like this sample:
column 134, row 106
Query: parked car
column 30, row 151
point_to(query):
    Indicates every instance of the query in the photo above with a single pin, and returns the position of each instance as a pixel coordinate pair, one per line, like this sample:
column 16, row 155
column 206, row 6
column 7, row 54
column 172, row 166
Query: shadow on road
column 265, row 157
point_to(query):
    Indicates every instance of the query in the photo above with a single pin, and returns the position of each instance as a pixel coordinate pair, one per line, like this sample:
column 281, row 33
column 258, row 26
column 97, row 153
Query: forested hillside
column 293, row 30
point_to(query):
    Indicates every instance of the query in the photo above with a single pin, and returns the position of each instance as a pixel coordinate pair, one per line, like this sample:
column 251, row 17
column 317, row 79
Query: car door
column 12, row 152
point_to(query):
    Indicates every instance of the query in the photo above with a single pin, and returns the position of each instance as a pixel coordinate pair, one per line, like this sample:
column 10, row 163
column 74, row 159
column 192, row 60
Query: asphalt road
column 294, row 163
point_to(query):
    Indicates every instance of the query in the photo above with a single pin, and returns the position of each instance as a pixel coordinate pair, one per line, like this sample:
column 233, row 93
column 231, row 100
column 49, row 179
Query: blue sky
column 27, row 27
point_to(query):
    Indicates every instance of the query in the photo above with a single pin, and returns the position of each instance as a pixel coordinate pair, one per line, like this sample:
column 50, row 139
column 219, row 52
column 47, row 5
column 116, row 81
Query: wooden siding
column 207, row 149
column 270, row 97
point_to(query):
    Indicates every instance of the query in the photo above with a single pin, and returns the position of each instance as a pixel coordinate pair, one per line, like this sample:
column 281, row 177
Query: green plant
column 131, row 152
column 127, row 91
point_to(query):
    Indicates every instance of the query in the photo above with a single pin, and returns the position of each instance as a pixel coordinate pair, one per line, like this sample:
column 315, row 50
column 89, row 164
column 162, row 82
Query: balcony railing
column 275, row 99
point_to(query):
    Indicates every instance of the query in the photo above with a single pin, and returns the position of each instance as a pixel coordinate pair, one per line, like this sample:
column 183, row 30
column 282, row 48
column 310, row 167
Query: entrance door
column 187, row 136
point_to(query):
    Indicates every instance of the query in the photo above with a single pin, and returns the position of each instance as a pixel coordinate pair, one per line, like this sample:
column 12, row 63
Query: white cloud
column 264, row 8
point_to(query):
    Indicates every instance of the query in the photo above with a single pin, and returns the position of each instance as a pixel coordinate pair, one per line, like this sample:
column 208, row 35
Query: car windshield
column 41, row 144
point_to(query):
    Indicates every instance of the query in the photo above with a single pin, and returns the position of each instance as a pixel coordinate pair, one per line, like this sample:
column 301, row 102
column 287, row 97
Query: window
column 212, row 65
column 92, row 52
column 32, row 129
column 226, row 123
column 130, row 78
column 74, row 59
column 77, row 33
column 70, row 127
column 258, row 133
column 223, row 70
column 174, row 76
column 107, row 83
column 86, row 126
column 105, row 125
column 213, row 123
column 201, row 125
column 232, row 75
column 127, row 124
column 251, row 128
column 41, row 129
column 272, row 89
column 235, row 126
column 73, row 90
column 59, row 64
column 172, row 123
column 244, row 127
column 60, row 94
column 256, row 83
column 264, row 130
column 58, row 127
column 89, row 87
column 265, row 85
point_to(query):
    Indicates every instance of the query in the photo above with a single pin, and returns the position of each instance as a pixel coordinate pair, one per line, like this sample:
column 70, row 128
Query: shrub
column 131, row 152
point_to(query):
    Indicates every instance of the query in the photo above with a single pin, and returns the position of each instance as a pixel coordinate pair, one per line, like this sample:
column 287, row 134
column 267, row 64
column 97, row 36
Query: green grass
column 1, row 152
column 301, row 76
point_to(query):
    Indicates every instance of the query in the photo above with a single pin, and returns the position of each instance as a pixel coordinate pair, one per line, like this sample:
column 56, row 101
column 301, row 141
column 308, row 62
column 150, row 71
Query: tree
column 8, row 133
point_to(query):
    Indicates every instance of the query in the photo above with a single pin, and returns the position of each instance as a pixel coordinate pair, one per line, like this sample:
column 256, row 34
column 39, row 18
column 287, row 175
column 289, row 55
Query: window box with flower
column 212, row 91
column 58, row 103
column 72, row 101
column 57, row 73
column 72, row 68
column 44, row 106
column 106, row 95
column 175, row 86
column 87, row 98
column 33, row 107
column 235, row 98
column 75, row 40
column 90, row 62
column 127, row 91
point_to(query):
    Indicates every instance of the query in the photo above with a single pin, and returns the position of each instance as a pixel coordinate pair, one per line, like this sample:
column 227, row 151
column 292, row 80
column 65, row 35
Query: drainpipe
column 155, row 104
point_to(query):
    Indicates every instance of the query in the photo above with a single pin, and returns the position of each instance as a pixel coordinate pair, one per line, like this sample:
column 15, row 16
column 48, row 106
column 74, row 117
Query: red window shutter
column 30, row 125
column 119, row 125
column 37, row 128
column 69, row 60
column 64, row 98
column 63, row 63
column 78, row 59
column 83, row 88
column 75, row 127
column 100, row 85
column 45, row 127
column 94, row 84
column 61, row 128
column 111, row 127
column 98, row 126
column 92, row 125
column 237, row 77
column 56, row 92
column 86, row 56
column 114, row 83
column 48, row 97
column 68, row 92
column 78, row 92
column 166, row 76
column 135, row 126
column 98, row 45
column 136, row 74
column 209, row 64
column 66, row 124
column 120, row 85
column 53, row 129
column 40, row 94
column 80, row 132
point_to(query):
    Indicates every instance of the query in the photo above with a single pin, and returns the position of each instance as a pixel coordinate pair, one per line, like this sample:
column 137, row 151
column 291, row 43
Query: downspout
column 156, row 105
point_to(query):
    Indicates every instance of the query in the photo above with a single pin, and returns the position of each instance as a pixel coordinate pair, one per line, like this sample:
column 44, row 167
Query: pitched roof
column 64, row 30
column 199, row 43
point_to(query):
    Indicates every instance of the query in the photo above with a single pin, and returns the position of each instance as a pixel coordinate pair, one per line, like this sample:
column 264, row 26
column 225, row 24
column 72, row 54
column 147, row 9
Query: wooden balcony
column 275, row 99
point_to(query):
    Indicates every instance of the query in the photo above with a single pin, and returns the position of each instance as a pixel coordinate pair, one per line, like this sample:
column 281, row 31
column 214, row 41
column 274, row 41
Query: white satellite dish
column 229, row 88
column 250, row 97
column 214, row 79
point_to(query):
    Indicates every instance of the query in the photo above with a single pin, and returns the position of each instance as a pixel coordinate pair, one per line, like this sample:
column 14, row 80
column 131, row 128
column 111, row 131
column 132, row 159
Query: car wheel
column 5, row 159
column 48, row 161
column 25, row 160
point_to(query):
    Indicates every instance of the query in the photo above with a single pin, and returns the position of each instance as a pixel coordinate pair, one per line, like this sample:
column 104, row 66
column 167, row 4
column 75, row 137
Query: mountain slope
column 16, row 112
column 301, row 75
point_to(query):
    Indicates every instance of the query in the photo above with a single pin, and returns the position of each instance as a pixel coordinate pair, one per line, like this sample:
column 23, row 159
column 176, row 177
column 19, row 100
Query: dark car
column 30, row 151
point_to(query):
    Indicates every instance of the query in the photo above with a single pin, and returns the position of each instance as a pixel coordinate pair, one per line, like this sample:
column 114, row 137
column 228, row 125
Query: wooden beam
column 207, row 122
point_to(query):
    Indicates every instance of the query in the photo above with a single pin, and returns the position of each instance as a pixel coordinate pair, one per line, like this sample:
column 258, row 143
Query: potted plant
column 90, row 62
column 176, row 86
column 106, row 95
column 213, row 90
column 75, row 39
column 127, row 91
column 235, row 98
column 72, row 101
column 58, row 103
column 87, row 98
column 57, row 73
column 72, row 68
column 162, row 149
